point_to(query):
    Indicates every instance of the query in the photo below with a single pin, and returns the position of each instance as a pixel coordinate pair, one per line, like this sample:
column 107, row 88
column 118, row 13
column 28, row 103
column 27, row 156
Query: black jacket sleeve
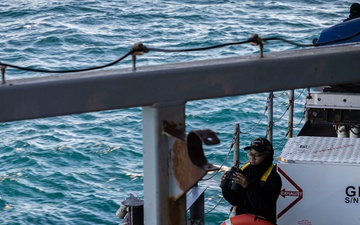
column 234, row 198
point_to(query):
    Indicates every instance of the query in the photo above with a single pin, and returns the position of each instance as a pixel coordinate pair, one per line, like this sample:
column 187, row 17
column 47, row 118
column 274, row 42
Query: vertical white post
column 237, row 143
column 159, row 208
column 270, row 117
column 291, row 114
column 308, row 95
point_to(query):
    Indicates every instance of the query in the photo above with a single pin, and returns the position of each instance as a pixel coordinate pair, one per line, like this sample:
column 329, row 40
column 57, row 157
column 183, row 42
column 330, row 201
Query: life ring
column 246, row 219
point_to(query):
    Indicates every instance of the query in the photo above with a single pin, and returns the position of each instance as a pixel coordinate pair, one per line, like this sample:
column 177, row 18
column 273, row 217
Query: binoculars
column 228, row 181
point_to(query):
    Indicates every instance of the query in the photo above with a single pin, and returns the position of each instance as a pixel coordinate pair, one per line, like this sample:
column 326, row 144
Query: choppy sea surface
column 77, row 169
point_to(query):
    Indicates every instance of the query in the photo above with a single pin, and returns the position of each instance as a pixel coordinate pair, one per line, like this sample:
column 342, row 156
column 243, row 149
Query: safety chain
column 287, row 109
column 140, row 49
column 300, row 120
column 282, row 141
column 281, row 94
column 291, row 102
column 259, row 121
column 212, row 176
column 226, row 158
column 216, row 205
column 302, row 91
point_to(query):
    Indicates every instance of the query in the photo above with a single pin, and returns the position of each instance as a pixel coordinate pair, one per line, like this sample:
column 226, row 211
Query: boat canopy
column 341, row 31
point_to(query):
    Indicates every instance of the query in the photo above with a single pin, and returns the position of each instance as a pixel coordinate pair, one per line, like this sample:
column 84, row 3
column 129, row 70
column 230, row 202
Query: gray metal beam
column 182, row 82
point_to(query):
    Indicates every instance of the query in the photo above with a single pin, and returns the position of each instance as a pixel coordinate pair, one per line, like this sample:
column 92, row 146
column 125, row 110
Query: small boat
column 341, row 33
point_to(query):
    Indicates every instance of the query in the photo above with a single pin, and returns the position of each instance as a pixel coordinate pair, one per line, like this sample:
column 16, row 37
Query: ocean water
column 77, row 169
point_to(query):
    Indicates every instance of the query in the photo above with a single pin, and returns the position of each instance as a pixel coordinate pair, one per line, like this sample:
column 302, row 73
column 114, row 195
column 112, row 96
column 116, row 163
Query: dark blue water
column 78, row 169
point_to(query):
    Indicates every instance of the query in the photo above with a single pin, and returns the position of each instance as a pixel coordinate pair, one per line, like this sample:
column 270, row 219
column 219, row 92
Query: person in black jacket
column 258, row 182
column 354, row 12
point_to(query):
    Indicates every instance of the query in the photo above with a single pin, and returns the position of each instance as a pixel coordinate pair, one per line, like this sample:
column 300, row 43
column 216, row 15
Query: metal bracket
column 187, row 161
column 195, row 139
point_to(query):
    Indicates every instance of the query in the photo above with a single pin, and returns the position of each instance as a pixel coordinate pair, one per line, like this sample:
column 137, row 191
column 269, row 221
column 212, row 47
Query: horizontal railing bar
column 181, row 82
